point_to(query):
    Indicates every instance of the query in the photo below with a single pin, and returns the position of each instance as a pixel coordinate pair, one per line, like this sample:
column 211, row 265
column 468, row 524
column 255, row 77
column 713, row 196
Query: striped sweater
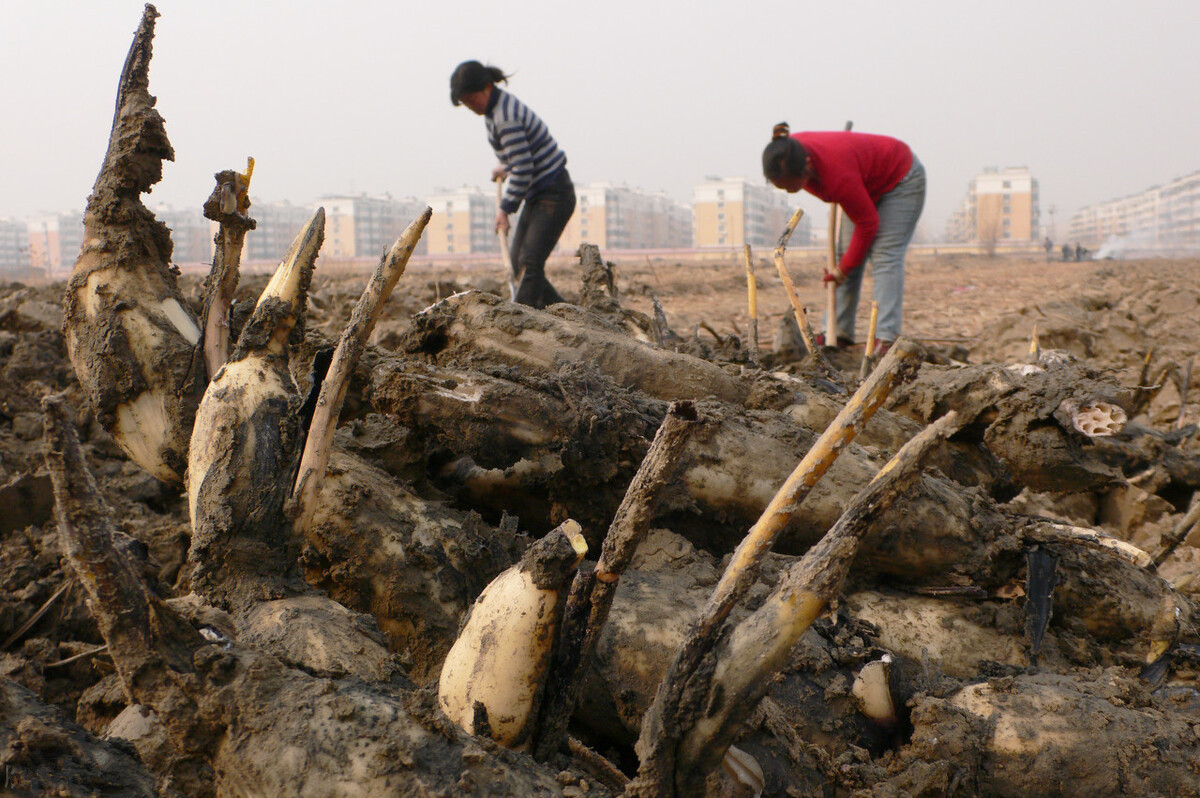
column 524, row 145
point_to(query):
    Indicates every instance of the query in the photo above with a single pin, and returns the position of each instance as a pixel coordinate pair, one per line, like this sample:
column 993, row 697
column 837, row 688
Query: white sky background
column 1098, row 98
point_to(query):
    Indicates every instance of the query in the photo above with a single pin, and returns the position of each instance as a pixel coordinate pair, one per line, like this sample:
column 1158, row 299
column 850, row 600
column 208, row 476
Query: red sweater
column 855, row 170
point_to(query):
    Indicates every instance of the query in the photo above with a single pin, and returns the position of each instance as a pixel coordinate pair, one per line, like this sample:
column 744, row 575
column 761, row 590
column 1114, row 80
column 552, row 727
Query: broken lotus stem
column 797, row 307
column 660, row 727
column 349, row 350
column 801, row 315
column 593, row 592
column 227, row 206
column 723, row 696
column 752, row 301
column 492, row 679
column 126, row 612
column 869, row 352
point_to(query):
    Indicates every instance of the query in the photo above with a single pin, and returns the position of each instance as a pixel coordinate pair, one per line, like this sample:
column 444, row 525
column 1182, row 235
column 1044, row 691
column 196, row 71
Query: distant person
column 880, row 184
column 1048, row 245
column 537, row 176
column 1066, row 252
column 1078, row 252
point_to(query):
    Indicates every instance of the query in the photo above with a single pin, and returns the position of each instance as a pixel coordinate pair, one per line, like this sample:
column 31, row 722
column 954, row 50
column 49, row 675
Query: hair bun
column 780, row 131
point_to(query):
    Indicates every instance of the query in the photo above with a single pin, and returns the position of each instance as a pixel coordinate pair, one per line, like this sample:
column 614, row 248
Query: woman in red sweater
column 880, row 185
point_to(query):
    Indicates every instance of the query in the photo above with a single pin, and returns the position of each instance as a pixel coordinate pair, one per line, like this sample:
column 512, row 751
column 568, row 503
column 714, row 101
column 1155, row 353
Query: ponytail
column 472, row 76
column 784, row 156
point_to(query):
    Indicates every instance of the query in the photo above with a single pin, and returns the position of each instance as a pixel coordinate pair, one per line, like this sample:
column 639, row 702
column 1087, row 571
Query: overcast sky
column 1098, row 98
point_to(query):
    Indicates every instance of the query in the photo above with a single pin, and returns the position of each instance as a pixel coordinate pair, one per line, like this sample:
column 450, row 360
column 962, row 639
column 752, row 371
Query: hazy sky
column 1098, row 98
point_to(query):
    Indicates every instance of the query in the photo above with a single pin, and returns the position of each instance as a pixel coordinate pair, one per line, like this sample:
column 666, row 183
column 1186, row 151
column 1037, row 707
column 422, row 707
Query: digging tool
column 505, row 255
column 831, row 327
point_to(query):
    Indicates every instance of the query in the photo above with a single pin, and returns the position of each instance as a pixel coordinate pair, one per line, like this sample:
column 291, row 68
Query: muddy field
column 977, row 310
column 310, row 535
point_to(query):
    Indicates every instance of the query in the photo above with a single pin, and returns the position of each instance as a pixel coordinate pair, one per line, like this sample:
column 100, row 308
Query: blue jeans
column 899, row 210
column 542, row 221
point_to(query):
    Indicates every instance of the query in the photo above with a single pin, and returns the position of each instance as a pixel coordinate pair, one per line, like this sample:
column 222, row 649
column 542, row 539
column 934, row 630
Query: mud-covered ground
column 1111, row 314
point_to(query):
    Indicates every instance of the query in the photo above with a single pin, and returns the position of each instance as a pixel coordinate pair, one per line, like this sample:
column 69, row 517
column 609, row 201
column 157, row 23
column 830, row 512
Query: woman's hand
column 499, row 172
column 837, row 276
column 501, row 222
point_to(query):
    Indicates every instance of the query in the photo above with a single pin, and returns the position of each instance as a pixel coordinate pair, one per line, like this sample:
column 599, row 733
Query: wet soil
column 979, row 310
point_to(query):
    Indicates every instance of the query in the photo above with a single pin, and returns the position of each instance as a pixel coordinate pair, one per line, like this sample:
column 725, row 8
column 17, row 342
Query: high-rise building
column 1161, row 218
column 1001, row 207
column 276, row 225
column 618, row 217
column 14, row 249
column 463, row 222
column 365, row 226
column 730, row 212
column 54, row 242
column 191, row 234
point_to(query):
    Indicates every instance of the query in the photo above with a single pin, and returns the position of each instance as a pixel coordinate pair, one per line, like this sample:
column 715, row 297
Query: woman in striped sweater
column 537, row 175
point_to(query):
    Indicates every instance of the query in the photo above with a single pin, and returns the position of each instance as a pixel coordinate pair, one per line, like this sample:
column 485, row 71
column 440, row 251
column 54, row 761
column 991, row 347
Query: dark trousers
column 542, row 221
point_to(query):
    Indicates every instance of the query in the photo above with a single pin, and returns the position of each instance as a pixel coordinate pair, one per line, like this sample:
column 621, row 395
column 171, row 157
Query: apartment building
column 1001, row 207
column 276, row 225
column 14, row 249
column 1161, row 218
column 191, row 234
column 54, row 241
column 463, row 222
column 730, row 212
column 1179, row 213
column 365, row 226
column 614, row 216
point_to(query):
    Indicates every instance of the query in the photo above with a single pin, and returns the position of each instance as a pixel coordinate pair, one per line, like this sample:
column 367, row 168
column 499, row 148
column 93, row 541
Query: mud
column 157, row 516
column 475, row 425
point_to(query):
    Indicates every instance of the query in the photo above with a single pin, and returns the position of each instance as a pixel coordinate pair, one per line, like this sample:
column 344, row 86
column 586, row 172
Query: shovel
column 505, row 255
column 831, row 328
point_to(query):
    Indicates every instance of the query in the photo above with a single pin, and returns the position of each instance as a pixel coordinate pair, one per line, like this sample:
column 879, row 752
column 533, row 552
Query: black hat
column 468, row 76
